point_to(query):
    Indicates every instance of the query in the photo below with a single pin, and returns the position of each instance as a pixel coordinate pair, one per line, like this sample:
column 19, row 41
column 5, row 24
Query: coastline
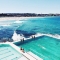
column 15, row 18
column 18, row 18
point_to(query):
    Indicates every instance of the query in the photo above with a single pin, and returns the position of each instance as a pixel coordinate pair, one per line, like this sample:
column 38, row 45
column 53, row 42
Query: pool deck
column 35, row 56
column 26, row 55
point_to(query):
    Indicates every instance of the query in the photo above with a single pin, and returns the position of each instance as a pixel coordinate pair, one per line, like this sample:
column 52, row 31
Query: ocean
column 30, row 26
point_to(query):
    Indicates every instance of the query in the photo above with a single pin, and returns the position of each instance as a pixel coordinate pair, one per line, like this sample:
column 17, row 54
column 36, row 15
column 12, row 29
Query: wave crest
column 18, row 37
column 50, row 35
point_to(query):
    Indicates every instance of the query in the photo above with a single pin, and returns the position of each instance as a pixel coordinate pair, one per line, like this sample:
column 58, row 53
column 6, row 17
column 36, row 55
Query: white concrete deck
column 22, row 58
column 35, row 56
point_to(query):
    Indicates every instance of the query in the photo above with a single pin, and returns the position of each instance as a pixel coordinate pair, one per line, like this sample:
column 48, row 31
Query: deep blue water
column 45, row 25
column 7, row 29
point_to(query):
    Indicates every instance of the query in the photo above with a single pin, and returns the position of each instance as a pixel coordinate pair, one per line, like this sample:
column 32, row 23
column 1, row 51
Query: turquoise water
column 45, row 47
column 30, row 26
column 8, row 53
column 45, row 25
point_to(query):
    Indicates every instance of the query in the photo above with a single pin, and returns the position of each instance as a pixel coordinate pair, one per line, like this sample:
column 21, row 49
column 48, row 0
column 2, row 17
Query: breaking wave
column 50, row 35
column 18, row 37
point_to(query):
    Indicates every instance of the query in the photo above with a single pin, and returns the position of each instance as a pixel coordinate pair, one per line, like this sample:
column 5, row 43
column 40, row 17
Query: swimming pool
column 45, row 47
column 7, row 52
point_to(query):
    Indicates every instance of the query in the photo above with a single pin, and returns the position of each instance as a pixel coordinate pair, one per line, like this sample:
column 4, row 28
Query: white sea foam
column 18, row 22
column 50, row 35
column 18, row 37
column 5, row 25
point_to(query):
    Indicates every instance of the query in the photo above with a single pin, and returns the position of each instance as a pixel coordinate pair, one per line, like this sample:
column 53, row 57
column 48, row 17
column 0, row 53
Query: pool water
column 9, row 53
column 45, row 47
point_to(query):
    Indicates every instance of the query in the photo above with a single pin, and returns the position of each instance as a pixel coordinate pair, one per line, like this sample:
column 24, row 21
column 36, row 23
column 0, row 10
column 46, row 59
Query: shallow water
column 8, row 53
